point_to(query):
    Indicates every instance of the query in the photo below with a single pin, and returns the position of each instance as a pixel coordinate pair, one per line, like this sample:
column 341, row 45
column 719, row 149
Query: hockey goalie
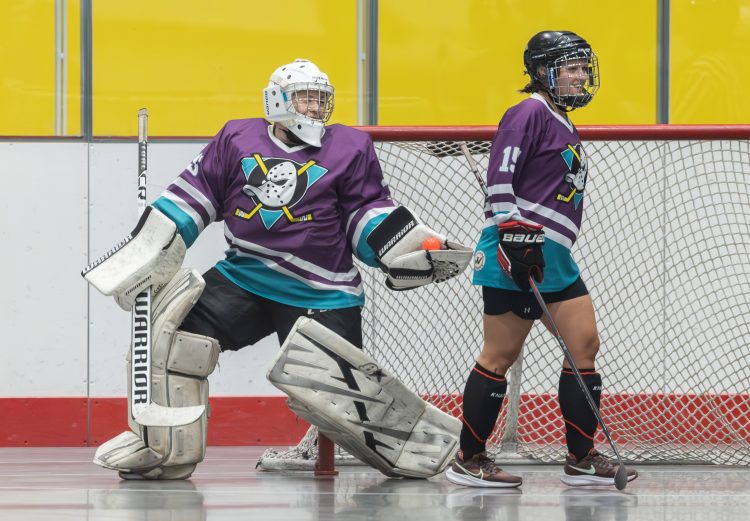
column 298, row 199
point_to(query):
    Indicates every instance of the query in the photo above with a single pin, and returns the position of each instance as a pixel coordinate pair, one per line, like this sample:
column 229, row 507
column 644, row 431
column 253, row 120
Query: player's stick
column 142, row 408
column 474, row 169
column 621, row 478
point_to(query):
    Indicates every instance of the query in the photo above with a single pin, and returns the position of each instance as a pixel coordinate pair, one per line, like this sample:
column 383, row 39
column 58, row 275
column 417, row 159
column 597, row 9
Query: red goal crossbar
column 588, row 132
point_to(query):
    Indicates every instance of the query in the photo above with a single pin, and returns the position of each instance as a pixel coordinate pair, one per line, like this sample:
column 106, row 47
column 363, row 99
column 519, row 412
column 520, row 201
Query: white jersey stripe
column 548, row 213
column 198, row 196
column 505, row 188
column 272, row 265
column 292, row 259
column 503, row 208
column 366, row 218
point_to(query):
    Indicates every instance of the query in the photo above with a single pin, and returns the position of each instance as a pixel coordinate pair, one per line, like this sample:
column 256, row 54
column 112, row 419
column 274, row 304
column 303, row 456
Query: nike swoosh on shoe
column 479, row 475
column 590, row 470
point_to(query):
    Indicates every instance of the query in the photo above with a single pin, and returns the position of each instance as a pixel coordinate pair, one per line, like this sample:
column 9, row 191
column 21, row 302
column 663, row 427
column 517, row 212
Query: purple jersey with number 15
column 537, row 173
column 293, row 216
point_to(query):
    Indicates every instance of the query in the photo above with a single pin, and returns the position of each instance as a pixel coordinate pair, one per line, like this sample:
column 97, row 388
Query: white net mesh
column 302, row 456
column 663, row 250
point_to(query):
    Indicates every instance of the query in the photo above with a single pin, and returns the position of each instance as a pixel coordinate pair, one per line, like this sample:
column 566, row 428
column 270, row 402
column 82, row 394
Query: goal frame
column 325, row 461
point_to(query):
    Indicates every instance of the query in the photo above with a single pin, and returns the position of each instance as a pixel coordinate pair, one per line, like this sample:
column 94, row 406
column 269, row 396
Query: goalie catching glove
column 519, row 252
column 397, row 242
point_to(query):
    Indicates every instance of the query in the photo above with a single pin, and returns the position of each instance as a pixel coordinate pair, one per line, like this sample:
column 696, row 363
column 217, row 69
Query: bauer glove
column 519, row 252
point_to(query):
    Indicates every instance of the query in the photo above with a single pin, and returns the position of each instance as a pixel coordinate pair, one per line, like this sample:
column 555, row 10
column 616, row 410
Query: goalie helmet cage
column 663, row 249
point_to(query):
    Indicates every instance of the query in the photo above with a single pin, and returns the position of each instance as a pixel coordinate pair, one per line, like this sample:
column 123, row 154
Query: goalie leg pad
column 188, row 387
column 125, row 451
column 128, row 451
column 360, row 406
column 181, row 363
column 149, row 256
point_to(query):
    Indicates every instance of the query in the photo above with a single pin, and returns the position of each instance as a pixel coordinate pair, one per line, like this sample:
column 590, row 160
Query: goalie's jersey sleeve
column 536, row 173
column 293, row 217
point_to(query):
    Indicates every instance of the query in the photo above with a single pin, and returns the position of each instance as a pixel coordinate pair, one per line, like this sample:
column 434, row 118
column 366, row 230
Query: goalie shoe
column 360, row 405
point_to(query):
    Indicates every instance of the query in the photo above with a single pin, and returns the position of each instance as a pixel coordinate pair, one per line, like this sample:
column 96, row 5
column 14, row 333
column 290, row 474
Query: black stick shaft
column 621, row 477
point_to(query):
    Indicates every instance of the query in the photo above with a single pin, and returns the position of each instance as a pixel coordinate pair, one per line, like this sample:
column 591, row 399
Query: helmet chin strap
column 551, row 101
column 564, row 108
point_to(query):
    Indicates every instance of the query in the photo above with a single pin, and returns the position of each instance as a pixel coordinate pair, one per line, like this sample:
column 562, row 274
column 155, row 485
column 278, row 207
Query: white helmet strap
column 274, row 103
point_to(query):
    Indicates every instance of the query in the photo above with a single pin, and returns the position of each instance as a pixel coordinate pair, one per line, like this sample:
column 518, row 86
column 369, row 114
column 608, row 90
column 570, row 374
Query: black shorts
column 523, row 303
column 238, row 318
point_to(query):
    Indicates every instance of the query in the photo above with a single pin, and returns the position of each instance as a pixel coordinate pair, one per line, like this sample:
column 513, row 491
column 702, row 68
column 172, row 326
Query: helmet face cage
column 565, row 85
column 311, row 101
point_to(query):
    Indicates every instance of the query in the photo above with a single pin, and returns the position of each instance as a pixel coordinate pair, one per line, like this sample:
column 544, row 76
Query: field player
column 298, row 200
column 536, row 181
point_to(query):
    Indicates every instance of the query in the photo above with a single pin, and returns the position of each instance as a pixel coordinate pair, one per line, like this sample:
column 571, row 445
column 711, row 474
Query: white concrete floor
column 62, row 484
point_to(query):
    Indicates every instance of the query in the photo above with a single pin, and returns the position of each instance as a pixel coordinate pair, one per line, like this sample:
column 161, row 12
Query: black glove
column 519, row 251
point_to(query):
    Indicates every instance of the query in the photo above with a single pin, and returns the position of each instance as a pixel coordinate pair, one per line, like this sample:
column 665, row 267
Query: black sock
column 483, row 397
column 580, row 422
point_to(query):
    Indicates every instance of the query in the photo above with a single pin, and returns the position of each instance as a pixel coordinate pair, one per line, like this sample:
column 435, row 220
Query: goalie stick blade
column 155, row 415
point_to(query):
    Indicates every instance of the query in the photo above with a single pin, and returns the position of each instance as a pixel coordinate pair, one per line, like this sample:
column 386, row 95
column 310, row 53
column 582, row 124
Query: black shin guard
column 483, row 397
column 580, row 421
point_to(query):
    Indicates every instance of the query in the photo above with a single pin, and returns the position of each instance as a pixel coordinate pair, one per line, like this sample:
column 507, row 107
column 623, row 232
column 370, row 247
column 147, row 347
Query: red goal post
column 664, row 250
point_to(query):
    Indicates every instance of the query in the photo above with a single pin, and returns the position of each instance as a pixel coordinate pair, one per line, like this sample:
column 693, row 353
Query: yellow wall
column 27, row 80
column 196, row 64
column 710, row 61
column 28, row 77
column 453, row 62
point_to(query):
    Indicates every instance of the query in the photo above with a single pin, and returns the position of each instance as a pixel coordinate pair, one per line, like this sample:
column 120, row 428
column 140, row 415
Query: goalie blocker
column 149, row 256
column 397, row 242
column 361, row 406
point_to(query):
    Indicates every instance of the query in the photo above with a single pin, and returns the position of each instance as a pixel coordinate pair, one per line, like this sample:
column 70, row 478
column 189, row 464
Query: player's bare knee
column 497, row 360
column 500, row 351
column 584, row 353
column 592, row 346
column 497, row 365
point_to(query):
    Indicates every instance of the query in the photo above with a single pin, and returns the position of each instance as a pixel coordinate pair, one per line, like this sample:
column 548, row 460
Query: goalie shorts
column 523, row 303
column 238, row 318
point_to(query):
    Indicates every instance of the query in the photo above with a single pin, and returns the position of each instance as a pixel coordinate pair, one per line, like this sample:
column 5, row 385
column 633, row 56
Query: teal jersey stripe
column 254, row 276
column 185, row 224
column 364, row 252
column 560, row 270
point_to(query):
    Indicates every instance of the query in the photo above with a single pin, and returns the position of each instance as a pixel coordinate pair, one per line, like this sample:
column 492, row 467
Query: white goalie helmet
column 300, row 97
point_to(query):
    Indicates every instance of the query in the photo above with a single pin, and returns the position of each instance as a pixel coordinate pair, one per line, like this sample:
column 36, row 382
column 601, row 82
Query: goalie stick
column 621, row 477
column 143, row 410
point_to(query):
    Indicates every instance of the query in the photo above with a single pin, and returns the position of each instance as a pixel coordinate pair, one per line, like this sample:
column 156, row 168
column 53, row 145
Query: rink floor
column 62, row 484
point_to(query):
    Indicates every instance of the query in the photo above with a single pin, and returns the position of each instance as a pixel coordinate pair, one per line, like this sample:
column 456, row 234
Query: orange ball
column 431, row 243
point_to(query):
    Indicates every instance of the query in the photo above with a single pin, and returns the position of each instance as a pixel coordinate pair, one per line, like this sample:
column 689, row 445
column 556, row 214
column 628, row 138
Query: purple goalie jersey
column 293, row 216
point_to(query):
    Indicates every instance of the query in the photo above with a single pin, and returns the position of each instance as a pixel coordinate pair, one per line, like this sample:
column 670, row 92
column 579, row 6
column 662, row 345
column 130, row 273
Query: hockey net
column 664, row 251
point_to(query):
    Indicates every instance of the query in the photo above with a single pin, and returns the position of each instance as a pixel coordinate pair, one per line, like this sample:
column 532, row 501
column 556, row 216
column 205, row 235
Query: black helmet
column 552, row 50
